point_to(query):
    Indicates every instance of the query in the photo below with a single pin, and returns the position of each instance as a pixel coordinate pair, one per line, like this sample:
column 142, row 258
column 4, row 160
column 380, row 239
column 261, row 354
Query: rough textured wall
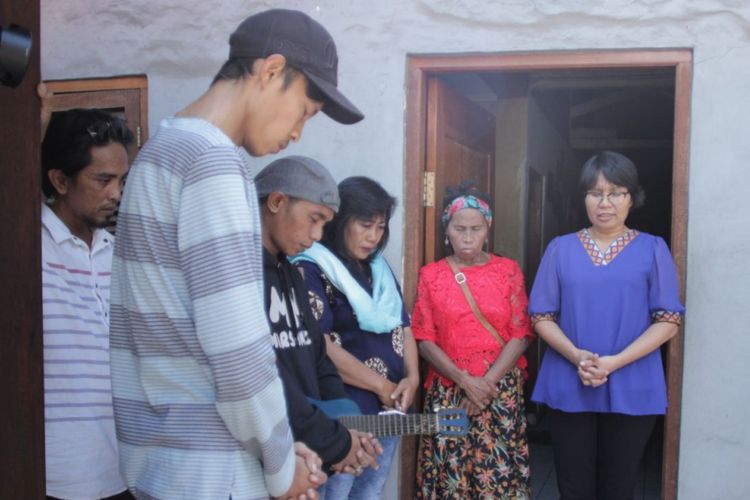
column 181, row 43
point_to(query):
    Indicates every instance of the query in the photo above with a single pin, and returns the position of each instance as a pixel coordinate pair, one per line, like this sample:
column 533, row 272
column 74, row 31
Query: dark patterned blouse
column 382, row 352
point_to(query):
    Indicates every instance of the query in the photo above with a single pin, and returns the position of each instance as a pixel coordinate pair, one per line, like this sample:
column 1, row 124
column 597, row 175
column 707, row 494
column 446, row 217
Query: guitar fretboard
column 392, row 425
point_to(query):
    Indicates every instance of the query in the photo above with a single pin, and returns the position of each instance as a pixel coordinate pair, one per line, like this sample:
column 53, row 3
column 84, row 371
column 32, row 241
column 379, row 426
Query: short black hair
column 361, row 198
column 239, row 68
column 616, row 169
column 71, row 135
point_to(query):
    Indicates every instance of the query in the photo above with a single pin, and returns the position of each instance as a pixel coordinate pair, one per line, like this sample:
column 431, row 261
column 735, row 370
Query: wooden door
column 122, row 96
column 21, row 365
column 460, row 146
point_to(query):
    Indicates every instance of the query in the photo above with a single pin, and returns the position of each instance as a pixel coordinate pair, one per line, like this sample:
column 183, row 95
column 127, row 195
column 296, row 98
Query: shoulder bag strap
column 461, row 280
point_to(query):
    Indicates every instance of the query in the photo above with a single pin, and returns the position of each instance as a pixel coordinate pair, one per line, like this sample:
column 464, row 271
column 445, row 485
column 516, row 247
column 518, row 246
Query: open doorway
column 547, row 124
column 550, row 112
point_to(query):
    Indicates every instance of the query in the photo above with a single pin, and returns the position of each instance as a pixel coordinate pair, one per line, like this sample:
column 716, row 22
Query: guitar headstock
column 452, row 421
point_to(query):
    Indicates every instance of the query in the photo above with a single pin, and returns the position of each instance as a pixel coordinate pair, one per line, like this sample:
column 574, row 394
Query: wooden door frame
column 21, row 355
column 420, row 67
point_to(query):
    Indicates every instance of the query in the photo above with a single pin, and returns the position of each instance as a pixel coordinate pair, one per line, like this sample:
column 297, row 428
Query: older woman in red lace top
column 471, row 366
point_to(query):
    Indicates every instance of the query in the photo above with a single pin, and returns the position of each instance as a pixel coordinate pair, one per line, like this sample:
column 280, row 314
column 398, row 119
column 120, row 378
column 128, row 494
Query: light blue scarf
column 379, row 313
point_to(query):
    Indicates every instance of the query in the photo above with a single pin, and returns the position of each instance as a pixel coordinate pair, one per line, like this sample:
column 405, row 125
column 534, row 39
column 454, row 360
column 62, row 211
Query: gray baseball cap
column 299, row 177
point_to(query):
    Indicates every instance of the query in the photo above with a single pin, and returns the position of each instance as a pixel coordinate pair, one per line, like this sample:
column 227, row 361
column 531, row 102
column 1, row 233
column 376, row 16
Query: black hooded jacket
column 305, row 369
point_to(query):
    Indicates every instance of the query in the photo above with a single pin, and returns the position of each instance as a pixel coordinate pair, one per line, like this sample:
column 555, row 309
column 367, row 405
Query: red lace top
column 443, row 316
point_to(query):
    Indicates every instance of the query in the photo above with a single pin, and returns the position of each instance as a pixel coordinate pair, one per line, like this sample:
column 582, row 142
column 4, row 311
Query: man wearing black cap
column 199, row 405
column 298, row 196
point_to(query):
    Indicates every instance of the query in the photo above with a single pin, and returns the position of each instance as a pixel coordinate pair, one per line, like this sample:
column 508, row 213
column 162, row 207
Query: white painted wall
column 181, row 43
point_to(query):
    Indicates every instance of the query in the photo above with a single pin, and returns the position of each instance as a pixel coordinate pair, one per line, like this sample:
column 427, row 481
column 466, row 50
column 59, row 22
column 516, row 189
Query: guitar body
column 447, row 421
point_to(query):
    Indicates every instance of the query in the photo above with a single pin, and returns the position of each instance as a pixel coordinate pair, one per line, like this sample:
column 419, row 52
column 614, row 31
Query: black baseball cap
column 307, row 47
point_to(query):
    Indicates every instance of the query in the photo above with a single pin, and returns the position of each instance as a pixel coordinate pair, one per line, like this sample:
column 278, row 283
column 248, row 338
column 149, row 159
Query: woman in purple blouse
column 604, row 300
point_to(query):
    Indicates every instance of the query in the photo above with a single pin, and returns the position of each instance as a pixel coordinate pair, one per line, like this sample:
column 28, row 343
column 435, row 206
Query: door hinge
column 138, row 136
column 428, row 189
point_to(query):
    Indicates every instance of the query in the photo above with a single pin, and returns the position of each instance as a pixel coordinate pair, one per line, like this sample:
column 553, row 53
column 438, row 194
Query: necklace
column 480, row 259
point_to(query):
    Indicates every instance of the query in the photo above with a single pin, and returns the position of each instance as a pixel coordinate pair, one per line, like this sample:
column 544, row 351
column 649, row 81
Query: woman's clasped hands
column 594, row 370
column 478, row 393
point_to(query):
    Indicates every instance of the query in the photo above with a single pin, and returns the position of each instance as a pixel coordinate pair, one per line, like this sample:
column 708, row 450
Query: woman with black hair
column 604, row 300
column 355, row 297
column 472, row 326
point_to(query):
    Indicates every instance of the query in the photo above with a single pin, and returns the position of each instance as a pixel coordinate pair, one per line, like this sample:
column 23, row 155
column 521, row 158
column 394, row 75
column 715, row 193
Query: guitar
column 446, row 421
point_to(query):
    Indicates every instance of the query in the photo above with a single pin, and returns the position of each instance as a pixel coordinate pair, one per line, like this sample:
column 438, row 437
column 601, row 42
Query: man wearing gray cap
column 198, row 401
column 298, row 196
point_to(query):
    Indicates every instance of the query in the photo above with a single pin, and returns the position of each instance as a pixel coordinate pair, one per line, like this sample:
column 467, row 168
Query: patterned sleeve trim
column 666, row 317
column 536, row 318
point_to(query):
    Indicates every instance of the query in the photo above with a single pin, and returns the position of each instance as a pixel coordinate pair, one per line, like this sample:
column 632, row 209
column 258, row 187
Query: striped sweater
column 198, row 402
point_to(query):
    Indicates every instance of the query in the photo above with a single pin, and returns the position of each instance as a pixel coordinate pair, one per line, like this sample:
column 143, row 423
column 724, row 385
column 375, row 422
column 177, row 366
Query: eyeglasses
column 615, row 197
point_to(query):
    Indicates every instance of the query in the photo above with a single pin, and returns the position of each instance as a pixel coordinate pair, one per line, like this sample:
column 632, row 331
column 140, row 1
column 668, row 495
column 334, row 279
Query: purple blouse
column 603, row 302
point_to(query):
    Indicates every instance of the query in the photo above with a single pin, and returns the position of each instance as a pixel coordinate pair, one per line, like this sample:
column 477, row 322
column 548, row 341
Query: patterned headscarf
column 467, row 201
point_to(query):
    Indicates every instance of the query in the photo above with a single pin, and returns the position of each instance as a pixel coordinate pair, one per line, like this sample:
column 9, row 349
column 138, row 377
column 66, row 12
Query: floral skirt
column 491, row 461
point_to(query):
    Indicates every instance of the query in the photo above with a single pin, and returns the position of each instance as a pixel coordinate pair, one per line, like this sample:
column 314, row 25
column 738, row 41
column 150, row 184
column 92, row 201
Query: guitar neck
column 392, row 425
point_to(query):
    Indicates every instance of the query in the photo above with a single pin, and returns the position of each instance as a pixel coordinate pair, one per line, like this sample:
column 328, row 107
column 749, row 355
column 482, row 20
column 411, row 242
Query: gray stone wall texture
column 181, row 43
